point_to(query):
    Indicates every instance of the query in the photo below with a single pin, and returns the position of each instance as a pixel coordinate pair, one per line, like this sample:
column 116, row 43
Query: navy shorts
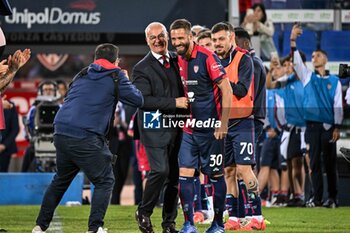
column 239, row 143
column 201, row 151
column 270, row 153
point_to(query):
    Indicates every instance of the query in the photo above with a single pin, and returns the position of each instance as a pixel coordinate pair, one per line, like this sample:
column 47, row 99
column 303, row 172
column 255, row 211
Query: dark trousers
column 136, row 176
column 92, row 156
column 5, row 161
column 319, row 140
column 164, row 174
column 259, row 141
column 120, row 169
column 29, row 156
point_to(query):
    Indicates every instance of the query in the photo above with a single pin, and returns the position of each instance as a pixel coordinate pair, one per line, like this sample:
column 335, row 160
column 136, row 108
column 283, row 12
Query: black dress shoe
column 144, row 223
column 170, row 229
column 296, row 202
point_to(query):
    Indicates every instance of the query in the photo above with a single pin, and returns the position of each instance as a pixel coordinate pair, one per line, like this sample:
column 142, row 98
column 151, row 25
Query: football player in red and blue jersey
column 201, row 147
column 239, row 142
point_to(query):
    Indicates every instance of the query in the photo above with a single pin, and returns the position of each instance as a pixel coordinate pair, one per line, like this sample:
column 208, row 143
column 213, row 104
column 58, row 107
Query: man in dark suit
column 157, row 77
column 9, row 134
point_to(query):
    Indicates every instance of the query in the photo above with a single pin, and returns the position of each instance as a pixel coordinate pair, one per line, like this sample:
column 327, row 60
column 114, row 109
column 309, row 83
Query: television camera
column 41, row 136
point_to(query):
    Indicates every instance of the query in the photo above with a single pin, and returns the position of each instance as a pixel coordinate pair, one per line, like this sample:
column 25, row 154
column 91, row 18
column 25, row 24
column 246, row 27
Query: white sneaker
column 100, row 230
column 37, row 229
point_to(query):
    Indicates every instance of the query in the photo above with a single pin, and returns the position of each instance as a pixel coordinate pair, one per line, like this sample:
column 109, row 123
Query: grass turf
column 18, row 219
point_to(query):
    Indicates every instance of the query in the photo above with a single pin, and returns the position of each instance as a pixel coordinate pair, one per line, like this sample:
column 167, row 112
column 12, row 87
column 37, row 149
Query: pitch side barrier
column 29, row 188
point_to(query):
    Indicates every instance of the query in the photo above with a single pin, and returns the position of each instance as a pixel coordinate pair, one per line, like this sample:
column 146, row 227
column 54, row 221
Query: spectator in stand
column 257, row 24
column 244, row 5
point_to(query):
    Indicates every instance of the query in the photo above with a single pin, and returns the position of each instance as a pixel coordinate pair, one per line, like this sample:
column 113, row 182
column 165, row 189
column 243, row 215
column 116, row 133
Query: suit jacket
column 150, row 78
column 10, row 133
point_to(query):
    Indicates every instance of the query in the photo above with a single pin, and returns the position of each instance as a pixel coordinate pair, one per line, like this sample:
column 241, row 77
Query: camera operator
column 46, row 91
column 323, row 112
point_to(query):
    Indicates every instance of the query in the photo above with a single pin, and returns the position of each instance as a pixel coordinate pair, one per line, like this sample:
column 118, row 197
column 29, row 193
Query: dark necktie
column 166, row 64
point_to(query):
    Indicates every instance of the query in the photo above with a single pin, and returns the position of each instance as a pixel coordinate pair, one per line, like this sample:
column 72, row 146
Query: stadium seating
column 276, row 41
column 336, row 44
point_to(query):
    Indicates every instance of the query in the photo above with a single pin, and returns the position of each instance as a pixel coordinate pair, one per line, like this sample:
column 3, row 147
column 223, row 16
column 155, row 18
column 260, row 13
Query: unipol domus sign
column 44, row 15
column 52, row 16
column 107, row 16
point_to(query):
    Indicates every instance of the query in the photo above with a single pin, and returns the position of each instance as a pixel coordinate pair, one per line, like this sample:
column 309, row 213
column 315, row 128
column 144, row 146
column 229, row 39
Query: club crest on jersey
column 190, row 96
column 195, row 68
column 329, row 86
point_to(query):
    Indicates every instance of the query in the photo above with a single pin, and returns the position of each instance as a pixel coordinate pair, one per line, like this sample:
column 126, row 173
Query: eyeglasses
column 160, row 37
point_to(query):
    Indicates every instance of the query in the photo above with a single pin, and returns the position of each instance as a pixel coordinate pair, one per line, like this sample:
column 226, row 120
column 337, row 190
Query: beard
column 184, row 51
column 222, row 51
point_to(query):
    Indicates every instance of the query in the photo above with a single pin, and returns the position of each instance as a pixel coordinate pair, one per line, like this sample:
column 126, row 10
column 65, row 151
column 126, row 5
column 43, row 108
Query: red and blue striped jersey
column 199, row 75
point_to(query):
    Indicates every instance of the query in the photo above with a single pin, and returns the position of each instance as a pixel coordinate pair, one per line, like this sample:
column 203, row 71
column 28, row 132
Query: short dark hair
column 181, row 23
column 204, row 34
column 241, row 33
column 107, row 51
column 321, row 51
column 222, row 26
column 286, row 58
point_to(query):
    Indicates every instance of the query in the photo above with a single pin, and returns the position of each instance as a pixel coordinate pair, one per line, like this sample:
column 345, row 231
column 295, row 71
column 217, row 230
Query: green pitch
column 21, row 219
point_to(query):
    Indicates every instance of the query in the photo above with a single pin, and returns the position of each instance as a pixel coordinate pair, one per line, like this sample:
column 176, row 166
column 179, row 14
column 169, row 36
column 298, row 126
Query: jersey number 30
column 215, row 160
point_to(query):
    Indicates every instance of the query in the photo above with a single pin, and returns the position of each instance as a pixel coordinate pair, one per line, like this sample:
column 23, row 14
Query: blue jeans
column 92, row 156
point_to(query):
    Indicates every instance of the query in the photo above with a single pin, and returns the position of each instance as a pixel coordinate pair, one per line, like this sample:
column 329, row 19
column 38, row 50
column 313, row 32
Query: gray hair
column 154, row 24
